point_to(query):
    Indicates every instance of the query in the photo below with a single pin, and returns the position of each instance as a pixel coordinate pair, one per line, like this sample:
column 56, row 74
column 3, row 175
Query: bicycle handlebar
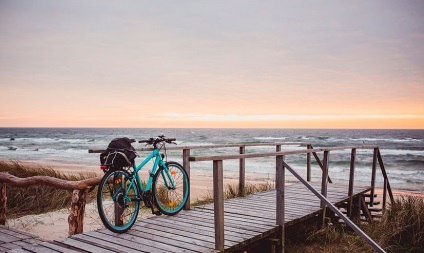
column 154, row 141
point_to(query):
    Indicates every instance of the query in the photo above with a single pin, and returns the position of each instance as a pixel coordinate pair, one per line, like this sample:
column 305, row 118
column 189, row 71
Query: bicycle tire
column 117, row 210
column 171, row 201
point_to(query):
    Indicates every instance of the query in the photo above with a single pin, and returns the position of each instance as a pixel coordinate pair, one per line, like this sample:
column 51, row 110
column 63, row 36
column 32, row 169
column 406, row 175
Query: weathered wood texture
column 12, row 240
column 246, row 220
column 3, row 201
column 50, row 181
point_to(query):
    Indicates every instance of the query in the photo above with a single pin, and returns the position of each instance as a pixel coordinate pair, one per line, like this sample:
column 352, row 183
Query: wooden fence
column 79, row 189
column 280, row 179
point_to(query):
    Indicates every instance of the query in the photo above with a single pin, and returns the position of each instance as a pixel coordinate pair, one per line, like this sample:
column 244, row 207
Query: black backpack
column 119, row 153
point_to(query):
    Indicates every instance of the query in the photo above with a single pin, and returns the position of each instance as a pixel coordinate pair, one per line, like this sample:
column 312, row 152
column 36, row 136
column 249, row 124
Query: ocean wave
column 403, row 140
column 270, row 138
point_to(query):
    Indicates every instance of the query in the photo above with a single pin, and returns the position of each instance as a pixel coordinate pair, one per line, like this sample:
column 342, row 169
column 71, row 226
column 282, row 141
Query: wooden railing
column 79, row 189
column 280, row 180
column 242, row 150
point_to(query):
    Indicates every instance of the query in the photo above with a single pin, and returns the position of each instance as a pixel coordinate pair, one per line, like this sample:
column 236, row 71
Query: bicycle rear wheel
column 170, row 200
column 117, row 201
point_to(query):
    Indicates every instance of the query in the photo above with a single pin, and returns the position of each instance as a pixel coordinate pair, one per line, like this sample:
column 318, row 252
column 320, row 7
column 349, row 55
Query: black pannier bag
column 119, row 153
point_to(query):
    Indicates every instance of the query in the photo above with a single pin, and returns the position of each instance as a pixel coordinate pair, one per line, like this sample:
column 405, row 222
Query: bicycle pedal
column 157, row 212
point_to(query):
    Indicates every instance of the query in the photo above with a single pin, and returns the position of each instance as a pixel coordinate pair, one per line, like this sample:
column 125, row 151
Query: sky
column 244, row 64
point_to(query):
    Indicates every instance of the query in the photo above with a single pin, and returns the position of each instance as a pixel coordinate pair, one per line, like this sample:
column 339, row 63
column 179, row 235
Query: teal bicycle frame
column 158, row 162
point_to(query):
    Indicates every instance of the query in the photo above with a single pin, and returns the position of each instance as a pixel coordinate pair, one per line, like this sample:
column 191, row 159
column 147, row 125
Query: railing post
column 242, row 172
column 308, row 164
column 278, row 148
column 186, row 166
column 218, row 202
column 374, row 168
column 280, row 191
column 351, row 180
column 383, row 171
column 3, row 201
column 76, row 217
column 385, row 194
column 324, row 183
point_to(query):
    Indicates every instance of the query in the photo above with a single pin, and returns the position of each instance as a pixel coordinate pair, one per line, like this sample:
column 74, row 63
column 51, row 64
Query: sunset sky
column 276, row 64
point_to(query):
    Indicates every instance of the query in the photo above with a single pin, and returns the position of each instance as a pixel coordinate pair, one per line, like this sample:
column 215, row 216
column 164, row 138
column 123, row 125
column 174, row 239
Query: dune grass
column 401, row 229
column 232, row 191
column 37, row 199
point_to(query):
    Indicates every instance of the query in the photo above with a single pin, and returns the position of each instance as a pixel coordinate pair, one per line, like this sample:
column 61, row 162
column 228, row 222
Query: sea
column 402, row 150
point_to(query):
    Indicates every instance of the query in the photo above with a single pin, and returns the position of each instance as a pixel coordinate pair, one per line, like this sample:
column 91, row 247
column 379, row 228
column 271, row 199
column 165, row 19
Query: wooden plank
column 172, row 232
column 19, row 250
column 176, row 240
column 230, row 236
column 58, row 248
column 241, row 219
column 34, row 247
column 83, row 246
column 5, row 238
column 228, row 223
column 17, row 234
column 206, row 226
column 206, row 223
column 113, row 245
column 136, row 241
column 229, row 241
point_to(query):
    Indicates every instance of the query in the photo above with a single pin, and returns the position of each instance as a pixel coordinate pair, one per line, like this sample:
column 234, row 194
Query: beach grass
column 37, row 199
column 401, row 229
column 232, row 191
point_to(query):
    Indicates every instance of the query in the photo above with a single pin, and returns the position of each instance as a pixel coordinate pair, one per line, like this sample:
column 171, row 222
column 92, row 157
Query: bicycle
column 121, row 190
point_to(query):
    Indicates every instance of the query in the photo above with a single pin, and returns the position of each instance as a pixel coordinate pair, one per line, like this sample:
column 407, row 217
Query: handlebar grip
column 143, row 141
column 171, row 139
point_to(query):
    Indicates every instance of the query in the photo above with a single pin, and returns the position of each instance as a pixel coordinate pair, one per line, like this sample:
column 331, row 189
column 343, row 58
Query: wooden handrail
column 50, row 181
column 256, row 155
column 253, row 155
column 259, row 144
column 79, row 192
column 364, row 236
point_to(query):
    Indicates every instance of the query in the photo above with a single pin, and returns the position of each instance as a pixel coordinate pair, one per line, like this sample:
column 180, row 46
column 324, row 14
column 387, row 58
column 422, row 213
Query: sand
column 54, row 225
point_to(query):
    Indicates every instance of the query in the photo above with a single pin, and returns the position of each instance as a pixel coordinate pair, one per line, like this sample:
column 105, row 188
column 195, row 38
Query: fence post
column 242, row 172
column 186, row 166
column 3, row 201
column 351, row 180
column 280, row 191
column 374, row 168
column 324, row 183
column 76, row 217
column 218, row 203
column 308, row 164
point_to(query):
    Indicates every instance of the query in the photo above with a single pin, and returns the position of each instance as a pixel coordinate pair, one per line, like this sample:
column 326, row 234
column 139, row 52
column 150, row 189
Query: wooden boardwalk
column 246, row 220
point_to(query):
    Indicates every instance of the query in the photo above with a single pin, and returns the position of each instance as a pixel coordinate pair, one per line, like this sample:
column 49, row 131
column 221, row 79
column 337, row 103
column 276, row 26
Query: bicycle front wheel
column 170, row 188
column 117, row 201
